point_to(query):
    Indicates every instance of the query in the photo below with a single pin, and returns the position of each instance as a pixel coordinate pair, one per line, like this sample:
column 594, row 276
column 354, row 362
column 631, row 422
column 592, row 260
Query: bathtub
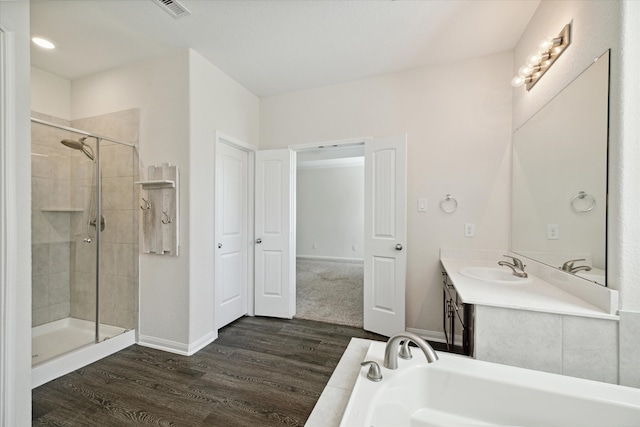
column 459, row 391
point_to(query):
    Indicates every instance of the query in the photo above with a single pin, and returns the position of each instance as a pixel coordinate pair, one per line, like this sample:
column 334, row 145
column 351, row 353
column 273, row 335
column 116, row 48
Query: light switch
column 422, row 205
column 553, row 232
column 469, row 230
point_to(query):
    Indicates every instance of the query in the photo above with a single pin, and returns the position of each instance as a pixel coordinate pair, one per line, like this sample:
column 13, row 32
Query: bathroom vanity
column 549, row 322
column 457, row 319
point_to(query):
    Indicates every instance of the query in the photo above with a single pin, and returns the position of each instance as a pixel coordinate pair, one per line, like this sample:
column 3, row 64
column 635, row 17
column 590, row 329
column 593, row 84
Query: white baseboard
column 198, row 345
column 329, row 258
column 177, row 347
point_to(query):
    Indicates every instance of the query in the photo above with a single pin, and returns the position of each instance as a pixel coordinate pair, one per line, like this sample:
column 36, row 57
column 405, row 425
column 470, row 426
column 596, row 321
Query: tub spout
column 391, row 350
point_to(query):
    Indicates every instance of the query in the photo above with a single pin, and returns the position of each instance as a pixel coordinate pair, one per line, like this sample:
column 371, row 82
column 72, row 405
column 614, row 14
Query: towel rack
column 582, row 196
column 449, row 204
column 159, row 210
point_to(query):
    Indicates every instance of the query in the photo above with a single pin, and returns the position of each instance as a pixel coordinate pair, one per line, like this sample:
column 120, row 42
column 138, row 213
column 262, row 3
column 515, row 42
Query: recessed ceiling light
column 43, row 43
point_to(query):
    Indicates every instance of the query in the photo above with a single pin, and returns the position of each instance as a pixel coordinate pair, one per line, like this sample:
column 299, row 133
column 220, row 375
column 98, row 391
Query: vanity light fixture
column 43, row 43
column 538, row 63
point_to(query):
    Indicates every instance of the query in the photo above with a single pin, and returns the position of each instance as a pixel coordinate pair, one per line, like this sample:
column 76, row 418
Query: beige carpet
column 329, row 291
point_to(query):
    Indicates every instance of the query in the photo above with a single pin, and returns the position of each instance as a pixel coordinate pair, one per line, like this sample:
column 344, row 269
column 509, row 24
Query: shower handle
column 103, row 223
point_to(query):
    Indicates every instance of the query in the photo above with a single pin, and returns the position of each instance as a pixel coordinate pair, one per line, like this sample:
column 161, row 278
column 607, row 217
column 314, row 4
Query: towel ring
column 583, row 196
column 449, row 204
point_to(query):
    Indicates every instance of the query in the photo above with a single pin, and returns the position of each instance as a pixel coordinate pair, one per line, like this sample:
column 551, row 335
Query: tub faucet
column 517, row 265
column 568, row 266
column 391, row 350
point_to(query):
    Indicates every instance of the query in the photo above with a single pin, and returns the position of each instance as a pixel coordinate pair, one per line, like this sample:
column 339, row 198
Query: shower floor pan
column 68, row 344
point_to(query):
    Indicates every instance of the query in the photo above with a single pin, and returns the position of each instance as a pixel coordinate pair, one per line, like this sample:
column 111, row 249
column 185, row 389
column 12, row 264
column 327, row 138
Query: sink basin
column 495, row 275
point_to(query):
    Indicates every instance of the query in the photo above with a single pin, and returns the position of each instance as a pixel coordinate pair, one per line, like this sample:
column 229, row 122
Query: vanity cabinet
column 457, row 317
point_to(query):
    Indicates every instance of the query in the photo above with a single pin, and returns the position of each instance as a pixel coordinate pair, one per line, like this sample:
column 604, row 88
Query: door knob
column 258, row 240
column 398, row 247
column 219, row 245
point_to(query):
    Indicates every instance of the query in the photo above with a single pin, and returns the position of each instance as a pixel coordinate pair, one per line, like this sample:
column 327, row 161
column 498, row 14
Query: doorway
column 384, row 241
column 330, row 234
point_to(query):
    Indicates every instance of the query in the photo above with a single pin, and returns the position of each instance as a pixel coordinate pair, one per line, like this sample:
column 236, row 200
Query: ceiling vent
column 173, row 8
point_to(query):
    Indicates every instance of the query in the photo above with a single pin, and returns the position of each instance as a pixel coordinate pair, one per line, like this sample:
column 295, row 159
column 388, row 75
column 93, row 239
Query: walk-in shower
column 84, row 276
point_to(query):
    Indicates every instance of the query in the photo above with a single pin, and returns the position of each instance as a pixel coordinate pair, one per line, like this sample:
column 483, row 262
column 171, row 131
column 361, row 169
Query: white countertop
column 537, row 295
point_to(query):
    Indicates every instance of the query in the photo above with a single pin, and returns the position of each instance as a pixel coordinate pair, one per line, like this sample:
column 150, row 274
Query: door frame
column 250, row 150
column 340, row 143
column 8, row 225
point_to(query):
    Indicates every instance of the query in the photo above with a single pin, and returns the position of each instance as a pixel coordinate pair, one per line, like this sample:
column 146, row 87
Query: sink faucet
column 517, row 265
column 391, row 350
column 568, row 266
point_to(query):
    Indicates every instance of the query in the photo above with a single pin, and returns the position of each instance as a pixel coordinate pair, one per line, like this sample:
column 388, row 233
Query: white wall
column 50, row 94
column 216, row 103
column 15, row 383
column 330, row 211
column 626, row 129
column 458, row 120
column 182, row 99
column 598, row 26
column 160, row 88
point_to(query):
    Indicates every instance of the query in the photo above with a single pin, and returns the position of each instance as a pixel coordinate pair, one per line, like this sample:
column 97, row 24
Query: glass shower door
column 63, row 261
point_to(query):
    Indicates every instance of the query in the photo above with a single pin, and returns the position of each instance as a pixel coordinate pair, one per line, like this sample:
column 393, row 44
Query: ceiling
column 273, row 47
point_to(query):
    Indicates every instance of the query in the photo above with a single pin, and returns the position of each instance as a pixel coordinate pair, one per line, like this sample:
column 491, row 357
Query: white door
column 385, row 253
column 231, row 219
column 275, row 285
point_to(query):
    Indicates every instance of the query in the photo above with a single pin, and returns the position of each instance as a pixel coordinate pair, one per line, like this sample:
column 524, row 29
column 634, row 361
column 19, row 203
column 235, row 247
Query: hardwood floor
column 259, row 372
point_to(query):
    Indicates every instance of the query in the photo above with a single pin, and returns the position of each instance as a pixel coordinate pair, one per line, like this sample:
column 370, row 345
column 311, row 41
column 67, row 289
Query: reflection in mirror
column 559, row 199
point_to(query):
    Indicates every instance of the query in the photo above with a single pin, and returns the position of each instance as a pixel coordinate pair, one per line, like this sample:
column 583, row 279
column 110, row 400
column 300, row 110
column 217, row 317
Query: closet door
column 275, row 278
column 231, row 220
column 385, row 232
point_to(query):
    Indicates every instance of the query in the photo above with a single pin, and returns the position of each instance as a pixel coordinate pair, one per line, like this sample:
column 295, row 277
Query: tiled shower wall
column 119, row 241
column 63, row 264
column 52, row 216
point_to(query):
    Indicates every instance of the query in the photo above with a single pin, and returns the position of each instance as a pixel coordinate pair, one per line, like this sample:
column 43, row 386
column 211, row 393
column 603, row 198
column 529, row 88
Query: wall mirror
column 559, row 188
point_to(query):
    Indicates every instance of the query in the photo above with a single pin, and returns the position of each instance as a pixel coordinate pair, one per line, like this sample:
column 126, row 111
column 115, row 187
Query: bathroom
column 482, row 128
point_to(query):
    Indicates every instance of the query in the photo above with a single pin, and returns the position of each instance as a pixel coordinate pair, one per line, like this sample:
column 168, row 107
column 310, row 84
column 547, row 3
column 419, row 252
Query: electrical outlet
column 354, row 248
column 553, row 232
column 314, row 246
column 469, row 230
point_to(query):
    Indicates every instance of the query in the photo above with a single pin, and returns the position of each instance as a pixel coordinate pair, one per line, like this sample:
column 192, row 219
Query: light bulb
column 525, row 70
column 43, row 43
column 517, row 81
column 545, row 45
column 534, row 59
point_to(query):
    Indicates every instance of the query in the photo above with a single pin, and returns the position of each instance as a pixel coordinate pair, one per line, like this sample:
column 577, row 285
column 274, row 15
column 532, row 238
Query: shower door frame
column 8, row 225
column 98, row 181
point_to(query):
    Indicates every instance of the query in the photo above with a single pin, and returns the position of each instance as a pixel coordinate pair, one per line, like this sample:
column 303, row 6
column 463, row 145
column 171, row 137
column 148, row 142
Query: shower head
column 72, row 143
column 79, row 145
